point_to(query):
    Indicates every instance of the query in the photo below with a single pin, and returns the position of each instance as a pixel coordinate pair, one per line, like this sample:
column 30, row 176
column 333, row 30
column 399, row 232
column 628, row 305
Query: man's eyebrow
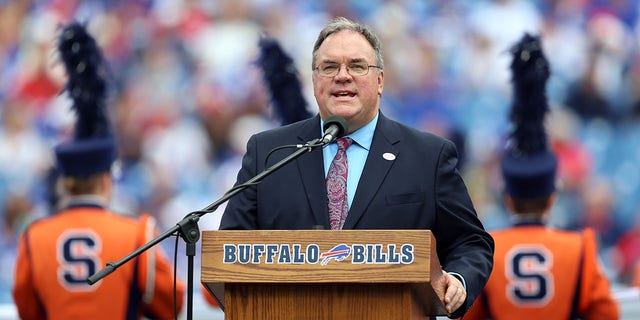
column 353, row 60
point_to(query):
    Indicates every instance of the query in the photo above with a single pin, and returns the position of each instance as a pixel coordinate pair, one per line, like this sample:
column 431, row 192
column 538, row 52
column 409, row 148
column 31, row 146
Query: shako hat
column 92, row 149
column 528, row 166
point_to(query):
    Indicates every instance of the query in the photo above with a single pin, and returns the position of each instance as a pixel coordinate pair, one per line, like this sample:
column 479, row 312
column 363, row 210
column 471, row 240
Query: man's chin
column 345, row 111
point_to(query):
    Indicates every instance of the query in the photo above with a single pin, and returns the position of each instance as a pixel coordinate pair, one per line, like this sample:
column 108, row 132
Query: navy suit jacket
column 419, row 189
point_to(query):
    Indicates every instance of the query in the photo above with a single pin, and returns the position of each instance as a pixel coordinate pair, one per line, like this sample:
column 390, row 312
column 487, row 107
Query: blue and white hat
column 528, row 166
column 92, row 149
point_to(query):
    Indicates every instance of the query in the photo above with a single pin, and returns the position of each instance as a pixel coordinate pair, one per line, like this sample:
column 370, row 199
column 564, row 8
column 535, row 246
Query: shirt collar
column 528, row 220
column 363, row 136
column 83, row 201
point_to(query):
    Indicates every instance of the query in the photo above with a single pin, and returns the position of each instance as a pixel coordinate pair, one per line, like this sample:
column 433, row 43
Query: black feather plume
column 86, row 86
column 530, row 70
column 281, row 78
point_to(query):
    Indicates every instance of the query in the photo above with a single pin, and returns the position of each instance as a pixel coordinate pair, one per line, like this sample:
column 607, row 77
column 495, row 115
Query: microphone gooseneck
column 334, row 128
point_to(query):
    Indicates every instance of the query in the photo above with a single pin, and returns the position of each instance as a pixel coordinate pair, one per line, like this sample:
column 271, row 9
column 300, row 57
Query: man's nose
column 343, row 73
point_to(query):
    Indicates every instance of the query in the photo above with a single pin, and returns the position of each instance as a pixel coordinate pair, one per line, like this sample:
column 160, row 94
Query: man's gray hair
column 342, row 23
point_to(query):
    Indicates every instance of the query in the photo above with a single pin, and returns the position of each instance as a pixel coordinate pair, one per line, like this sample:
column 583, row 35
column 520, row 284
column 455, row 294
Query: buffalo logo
column 339, row 253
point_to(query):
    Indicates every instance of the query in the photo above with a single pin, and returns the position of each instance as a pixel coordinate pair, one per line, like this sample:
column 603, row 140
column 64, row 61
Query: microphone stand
column 188, row 229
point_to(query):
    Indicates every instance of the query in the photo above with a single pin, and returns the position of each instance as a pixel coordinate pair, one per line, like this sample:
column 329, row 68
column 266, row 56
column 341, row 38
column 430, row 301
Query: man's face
column 356, row 98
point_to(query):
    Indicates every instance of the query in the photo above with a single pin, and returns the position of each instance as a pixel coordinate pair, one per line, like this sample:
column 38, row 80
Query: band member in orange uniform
column 57, row 254
column 539, row 272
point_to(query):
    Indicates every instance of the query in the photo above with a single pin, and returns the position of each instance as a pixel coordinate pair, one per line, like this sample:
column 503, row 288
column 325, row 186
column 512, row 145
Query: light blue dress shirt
column 356, row 155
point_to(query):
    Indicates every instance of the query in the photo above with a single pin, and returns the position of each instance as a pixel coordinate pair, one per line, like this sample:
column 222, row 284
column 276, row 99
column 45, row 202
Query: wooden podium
column 322, row 274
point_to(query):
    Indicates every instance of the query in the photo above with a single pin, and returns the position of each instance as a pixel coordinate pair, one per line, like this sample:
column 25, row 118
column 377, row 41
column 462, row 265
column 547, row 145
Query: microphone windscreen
column 340, row 122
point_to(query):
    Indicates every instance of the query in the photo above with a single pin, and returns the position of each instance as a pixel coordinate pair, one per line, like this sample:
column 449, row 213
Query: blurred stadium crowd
column 187, row 93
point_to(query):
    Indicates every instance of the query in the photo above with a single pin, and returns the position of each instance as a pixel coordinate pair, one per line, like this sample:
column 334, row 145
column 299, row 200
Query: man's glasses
column 330, row 69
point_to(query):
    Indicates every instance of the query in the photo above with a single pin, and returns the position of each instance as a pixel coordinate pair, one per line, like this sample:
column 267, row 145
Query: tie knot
column 344, row 143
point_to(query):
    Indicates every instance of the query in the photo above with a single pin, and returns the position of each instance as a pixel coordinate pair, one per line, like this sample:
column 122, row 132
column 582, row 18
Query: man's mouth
column 344, row 94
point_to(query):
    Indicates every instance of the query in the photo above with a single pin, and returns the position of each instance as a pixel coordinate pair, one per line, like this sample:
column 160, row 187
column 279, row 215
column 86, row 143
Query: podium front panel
column 316, row 267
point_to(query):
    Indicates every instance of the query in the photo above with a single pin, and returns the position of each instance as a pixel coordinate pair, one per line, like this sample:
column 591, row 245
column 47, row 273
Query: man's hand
column 451, row 291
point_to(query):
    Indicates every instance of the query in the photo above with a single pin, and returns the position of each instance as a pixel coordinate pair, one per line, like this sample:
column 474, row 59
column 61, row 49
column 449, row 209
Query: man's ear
column 106, row 183
column 508, row 202
column 550, row 202
column 380, row 82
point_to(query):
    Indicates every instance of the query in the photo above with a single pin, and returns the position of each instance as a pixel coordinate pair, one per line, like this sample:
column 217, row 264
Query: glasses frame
column 369, row 66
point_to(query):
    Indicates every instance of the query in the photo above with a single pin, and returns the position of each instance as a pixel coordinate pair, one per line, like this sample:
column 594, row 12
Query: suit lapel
column 311, row 168
column 375, row 169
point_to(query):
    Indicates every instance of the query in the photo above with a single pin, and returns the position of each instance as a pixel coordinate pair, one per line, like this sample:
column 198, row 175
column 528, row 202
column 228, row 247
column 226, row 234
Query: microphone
column 334, row 128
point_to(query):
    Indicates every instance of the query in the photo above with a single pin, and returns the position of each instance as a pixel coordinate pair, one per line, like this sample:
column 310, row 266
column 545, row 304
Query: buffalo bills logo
column 339, row 253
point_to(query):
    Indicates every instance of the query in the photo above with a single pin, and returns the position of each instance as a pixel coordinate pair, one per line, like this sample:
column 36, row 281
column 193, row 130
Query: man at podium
column 379, row 174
